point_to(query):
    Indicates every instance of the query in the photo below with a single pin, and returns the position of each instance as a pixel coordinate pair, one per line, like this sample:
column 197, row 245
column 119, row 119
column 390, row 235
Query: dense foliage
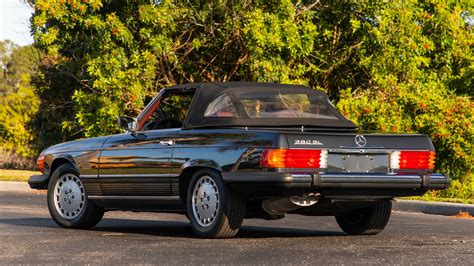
column 18, row 102
column 396, row 66
column 420, row 61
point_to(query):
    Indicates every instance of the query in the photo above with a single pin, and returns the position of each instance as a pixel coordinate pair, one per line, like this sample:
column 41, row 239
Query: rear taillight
column 289, row 158
column 40, row 163
column 412, row 160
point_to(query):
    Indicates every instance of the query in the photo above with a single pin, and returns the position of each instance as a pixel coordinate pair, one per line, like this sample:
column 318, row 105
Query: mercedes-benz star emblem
column 360, row 140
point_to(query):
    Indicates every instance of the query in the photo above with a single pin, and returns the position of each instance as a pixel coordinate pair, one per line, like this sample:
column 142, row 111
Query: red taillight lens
column 417, row 160
column 413, row 160
column 286, row 158
column 40, row 163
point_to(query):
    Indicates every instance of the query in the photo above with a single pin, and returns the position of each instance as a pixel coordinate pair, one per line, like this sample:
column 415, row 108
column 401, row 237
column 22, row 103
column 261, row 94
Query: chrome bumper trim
column 432, row 181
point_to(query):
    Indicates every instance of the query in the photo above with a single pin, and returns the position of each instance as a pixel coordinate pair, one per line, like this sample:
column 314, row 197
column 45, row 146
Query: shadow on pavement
column 169, row 228
column 31, row 222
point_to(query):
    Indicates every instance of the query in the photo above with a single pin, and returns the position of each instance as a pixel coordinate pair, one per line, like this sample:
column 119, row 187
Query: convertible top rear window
column 284, row 105
column 222, row 106
column 244, row 104
column 270, row 104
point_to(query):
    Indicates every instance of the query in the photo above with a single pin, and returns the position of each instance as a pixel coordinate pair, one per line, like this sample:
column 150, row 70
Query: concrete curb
column 14, row 186
column 439, row 208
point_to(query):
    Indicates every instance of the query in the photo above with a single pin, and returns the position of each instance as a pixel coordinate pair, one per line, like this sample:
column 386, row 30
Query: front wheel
column 214, row 210
column 368, row 221
column 67, row 200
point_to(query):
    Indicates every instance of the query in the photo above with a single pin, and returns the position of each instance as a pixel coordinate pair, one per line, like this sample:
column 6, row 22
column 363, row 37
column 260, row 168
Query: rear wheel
column 368, row 221
column 67, row 200
column 214, row 210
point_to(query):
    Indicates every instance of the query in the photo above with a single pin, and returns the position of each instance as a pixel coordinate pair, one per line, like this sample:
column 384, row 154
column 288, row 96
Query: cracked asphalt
column 29, row 236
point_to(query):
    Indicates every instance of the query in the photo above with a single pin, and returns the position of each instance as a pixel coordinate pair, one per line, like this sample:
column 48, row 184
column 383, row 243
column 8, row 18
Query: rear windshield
column 284, row 105
column 264, row 105
column 222, row 106
column 272, row 105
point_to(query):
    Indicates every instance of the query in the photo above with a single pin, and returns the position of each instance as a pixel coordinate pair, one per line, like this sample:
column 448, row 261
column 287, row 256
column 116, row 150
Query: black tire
column 228, row 215
column 368, row 221
column 89, row 215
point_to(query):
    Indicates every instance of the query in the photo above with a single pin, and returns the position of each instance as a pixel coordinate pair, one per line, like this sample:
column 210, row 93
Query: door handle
column 166, row 142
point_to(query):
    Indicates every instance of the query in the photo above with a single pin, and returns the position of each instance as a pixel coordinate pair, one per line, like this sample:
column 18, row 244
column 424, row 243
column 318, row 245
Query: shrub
column 428, row 109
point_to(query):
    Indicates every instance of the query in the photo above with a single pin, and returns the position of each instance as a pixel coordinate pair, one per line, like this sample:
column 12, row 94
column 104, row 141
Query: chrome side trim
column 88, row 176
column 137, row 175
column 163, row 198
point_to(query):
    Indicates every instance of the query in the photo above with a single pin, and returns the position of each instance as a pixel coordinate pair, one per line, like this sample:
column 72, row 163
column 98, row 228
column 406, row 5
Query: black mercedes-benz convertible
column 222, row 152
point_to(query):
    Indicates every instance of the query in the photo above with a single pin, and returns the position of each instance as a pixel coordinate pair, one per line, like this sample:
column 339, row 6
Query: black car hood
column 89, row 144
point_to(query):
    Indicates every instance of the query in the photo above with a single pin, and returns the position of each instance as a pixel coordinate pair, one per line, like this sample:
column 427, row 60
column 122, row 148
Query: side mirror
column 127, row 123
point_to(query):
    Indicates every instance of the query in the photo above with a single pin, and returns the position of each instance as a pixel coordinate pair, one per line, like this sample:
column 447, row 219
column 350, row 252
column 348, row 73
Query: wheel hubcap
column 69, row 196
column 205, row 201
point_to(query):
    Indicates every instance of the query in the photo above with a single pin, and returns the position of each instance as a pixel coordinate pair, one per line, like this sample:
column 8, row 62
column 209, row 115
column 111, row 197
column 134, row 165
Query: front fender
column 53, row 161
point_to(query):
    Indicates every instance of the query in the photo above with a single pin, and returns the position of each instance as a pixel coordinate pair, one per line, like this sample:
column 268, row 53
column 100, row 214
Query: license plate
column 357, row 163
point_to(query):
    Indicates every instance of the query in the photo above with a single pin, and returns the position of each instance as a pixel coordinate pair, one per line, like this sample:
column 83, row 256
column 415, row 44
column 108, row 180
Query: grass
column 16, row 175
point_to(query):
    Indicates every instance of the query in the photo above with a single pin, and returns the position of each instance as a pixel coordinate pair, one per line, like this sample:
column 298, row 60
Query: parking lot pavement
column 28, row 235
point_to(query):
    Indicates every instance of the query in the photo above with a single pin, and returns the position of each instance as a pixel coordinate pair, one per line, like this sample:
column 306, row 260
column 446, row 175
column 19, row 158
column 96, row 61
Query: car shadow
column 114, row 227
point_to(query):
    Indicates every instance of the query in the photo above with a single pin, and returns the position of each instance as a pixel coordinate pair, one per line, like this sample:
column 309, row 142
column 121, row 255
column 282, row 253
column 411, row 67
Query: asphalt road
column 28, row 235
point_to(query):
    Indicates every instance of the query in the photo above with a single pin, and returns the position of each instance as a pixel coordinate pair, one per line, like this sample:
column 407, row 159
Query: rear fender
column 201, row 163
column 187, row 171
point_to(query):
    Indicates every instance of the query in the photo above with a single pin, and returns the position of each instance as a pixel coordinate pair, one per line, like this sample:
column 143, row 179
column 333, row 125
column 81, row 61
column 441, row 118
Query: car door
column 138, row 163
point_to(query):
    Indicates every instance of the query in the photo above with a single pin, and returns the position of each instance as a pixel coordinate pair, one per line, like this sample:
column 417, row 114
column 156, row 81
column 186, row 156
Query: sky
column 14, row 21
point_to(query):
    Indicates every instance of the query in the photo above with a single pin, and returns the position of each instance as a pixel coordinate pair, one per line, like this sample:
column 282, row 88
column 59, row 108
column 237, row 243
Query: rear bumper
column 400, row 184
column 38, row 181
column 429, row 181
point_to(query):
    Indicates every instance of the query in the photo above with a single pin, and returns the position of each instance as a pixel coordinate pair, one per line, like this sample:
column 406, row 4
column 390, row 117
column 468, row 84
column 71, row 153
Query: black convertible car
column 222, row 152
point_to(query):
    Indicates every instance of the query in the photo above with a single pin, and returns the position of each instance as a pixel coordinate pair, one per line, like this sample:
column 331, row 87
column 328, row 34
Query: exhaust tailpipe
column 279, row 206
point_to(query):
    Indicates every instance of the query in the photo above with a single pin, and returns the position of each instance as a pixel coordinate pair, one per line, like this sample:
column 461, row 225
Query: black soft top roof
column 206, row 92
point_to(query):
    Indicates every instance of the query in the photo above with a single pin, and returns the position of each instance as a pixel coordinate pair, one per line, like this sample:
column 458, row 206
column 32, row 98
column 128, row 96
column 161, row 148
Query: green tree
column 113, row 55
column 402, row 66
column 15, row 63
column 419, row 57
column 18, row 101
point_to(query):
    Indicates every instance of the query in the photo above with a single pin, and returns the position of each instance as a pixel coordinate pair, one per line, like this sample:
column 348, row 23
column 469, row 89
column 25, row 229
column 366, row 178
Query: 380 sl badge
column 307, row 142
